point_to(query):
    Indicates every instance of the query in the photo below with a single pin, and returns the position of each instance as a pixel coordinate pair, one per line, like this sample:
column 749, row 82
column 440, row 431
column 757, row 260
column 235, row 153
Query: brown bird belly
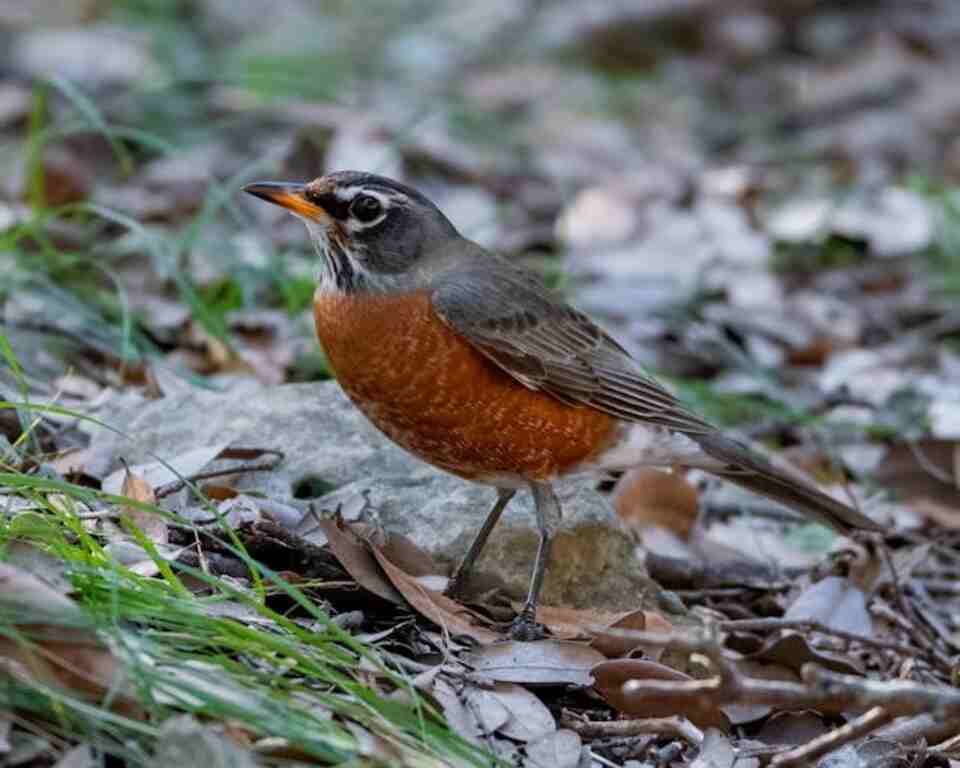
column 432, row 393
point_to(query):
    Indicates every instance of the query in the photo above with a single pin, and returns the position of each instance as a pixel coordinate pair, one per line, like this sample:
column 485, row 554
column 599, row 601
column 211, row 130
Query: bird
column 473, row 365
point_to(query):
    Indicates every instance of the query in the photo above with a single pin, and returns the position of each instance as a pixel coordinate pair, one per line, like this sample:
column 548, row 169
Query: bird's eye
column 365, row 208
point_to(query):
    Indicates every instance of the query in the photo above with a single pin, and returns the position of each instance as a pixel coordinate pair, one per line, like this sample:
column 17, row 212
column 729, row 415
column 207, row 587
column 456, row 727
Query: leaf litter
column 818, row 302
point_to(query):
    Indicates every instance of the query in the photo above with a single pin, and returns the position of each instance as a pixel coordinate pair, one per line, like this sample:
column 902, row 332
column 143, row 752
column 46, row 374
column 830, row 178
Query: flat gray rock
column 336, row 459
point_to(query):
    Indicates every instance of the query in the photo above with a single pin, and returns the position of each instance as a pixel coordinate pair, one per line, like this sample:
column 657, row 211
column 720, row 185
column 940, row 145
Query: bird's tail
column 789, row 486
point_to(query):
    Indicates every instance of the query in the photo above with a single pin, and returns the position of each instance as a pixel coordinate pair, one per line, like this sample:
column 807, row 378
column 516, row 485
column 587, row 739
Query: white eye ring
column 366, row 208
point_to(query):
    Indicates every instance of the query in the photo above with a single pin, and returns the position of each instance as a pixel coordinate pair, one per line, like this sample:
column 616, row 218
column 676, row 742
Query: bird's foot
column 525, row 628
column 455, row 585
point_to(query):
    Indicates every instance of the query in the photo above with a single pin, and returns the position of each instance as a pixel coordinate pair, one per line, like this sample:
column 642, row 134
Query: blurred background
column 759, row 197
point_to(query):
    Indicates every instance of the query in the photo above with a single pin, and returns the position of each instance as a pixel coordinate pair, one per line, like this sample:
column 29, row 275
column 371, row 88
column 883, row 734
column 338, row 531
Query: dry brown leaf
column 82, row 665
column 547, row 662
column 408, row 557
column 612, row 645
column 153, row 525
column 919, row 469
column 947, row 515
column 158, row 473
column 355, row 557
column 441, row 610
column 791, row 729
column 612, row 675
column 651, row 497
column 218, row 492
column 570, row 623
column 793, row 651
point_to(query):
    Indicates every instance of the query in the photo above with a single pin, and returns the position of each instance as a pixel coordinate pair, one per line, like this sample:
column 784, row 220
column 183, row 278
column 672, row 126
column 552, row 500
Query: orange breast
column 435, row 395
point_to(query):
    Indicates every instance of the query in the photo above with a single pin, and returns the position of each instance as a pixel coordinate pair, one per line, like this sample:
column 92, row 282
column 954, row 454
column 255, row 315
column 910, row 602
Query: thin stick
column 809, row 753
column 652, row 726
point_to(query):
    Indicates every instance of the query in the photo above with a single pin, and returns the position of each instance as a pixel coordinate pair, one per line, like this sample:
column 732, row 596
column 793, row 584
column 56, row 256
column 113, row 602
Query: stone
column 96, row 55
column 335, row 458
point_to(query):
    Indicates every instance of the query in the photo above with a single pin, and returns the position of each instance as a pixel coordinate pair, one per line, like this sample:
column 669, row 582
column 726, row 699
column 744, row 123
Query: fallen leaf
column 153, row 525
column 793, row 651
column 490, row 712
column 835, row 602
column 157, row 473
column 645, row 496
column 791, row 729
column 356, row 559
column 570, row 623
column 560, row 749
column 716, row 751
column 459, row 717
column 81, row 664
column 611, row 676
column 408, row 557
column 611, row 645
column 526, row 718
column 441, row 610
column 547, row 662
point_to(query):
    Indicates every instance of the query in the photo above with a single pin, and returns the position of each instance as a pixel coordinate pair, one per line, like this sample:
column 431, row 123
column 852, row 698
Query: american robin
column 474, row 366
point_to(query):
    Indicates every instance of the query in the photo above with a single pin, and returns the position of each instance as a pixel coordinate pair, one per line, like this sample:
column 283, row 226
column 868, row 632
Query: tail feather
column 749, row 469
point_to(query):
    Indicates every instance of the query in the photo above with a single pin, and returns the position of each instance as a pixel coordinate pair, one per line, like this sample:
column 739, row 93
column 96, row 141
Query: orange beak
column 288, row 194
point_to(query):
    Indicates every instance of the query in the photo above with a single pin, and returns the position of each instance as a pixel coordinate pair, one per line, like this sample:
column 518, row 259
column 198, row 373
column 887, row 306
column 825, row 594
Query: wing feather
column 547, row 345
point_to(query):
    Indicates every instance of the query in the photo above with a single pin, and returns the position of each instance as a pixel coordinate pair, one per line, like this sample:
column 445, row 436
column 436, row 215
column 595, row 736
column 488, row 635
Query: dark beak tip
column 269, row 190
column 260, row 188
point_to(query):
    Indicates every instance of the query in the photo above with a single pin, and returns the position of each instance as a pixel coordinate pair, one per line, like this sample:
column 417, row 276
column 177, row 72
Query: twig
column 176, row 485
column 653, row 726
column 926, row 727
column 765, row 625
column 819, row 689
column 809, row 753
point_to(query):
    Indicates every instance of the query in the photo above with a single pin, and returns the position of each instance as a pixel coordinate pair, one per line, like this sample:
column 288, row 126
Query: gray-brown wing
column 547, row 345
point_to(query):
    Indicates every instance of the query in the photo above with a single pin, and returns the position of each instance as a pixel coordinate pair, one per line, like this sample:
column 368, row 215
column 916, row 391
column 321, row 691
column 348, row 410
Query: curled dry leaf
column 408, row 557
column 153, row 526
column 546, row 662
column 356, row 559
column 441, row 610
column 612, row 676
column 651, row 497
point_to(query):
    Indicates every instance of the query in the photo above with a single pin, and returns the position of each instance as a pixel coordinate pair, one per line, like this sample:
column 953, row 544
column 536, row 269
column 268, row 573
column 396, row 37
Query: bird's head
column 370, row 232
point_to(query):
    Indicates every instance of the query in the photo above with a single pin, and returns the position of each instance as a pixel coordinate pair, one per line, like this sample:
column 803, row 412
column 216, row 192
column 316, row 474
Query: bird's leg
column 547, row 509
column 459, row 577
